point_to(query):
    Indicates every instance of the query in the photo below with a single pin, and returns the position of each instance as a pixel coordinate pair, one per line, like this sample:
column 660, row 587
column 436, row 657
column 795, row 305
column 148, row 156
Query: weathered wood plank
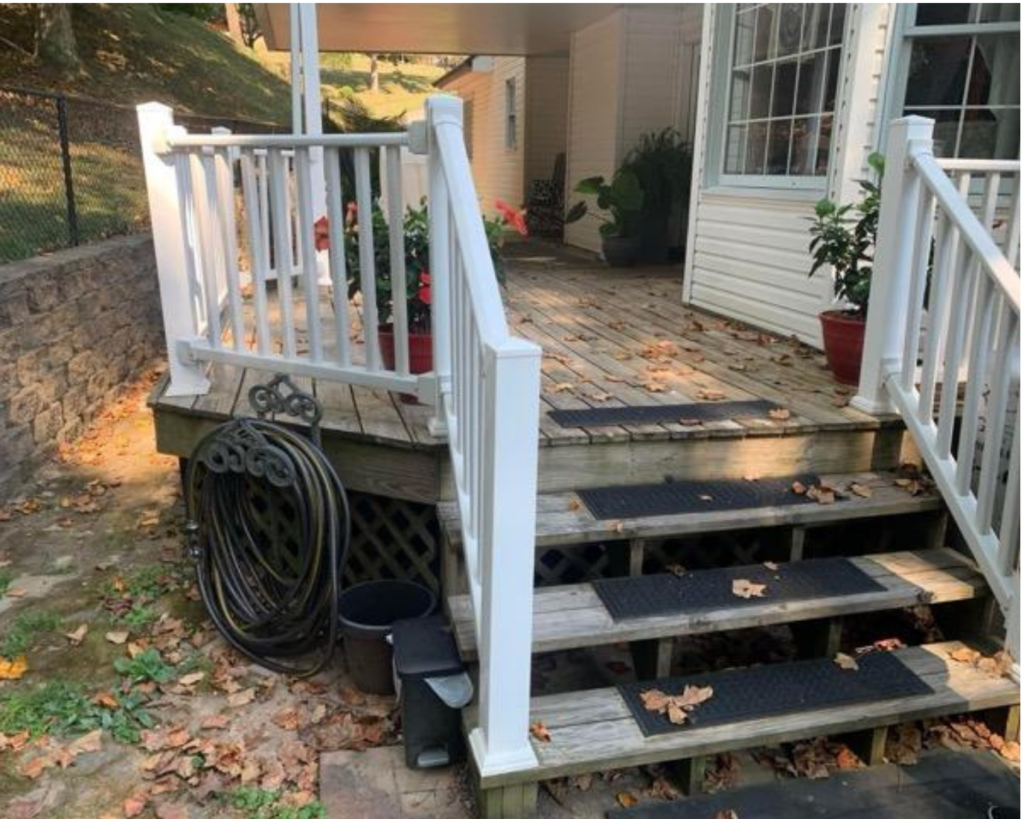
column 573, row 616
column 593, row 731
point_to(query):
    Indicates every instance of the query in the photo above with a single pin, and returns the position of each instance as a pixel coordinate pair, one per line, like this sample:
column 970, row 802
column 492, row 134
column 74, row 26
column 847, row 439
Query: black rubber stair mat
column 662, row 413
column 628, row 598
column 681, row 497
column 742, row 694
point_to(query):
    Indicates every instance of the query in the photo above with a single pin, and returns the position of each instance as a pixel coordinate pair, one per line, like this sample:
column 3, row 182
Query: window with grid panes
column 784, row 66
column 961, row 67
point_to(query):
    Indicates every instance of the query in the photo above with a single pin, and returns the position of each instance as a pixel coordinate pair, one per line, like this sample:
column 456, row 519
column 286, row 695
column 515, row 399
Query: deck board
column 598, row 328
column 593, row 730
column 573, row 616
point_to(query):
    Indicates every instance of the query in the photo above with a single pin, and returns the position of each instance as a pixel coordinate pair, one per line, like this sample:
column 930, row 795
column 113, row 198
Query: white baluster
column 396, row 237
column 258, row 261
column 310, row 285
column 367, row 264
column 229, row 239
column 336, row 255
column 281, row 217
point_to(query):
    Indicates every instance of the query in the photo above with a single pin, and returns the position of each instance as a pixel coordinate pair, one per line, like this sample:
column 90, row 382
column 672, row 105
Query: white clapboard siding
column 547, row 115
column 497, row 170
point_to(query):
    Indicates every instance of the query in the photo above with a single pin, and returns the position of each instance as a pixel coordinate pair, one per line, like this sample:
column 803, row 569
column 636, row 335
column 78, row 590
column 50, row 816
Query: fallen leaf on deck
column 965, row 655
column 539, row 731
column 780, row 414
column 676, row 569
column 824, row 495
column 706, row 498
column 746, row 589
column 690, row 422
column 600, row 397
column 574, row 504
column 676, row 707
column 75, row 637
column 711, row 395
column 845, row 662
column 728, row 813
column 771, row 566
column 626, row 799
column 798, row 488
column 653, row 386
column 616, row 526
column 13, row 669
column 861, row 490
column 118, row 638
column 563, row 387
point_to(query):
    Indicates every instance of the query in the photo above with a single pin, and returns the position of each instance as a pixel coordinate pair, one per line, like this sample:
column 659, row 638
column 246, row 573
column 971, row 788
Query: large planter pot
column 619, row 251
column 843, row 334
column 421, row 353
column 652, row 245
column 421, row 350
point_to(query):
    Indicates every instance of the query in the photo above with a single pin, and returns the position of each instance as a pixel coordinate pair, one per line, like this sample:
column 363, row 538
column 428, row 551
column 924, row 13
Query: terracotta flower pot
column 843, row 334
column 421, row 353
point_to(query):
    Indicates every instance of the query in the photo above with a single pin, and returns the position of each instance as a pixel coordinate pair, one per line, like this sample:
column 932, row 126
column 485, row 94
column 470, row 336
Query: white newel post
column 170, row 248
column 502, row 741
column 890, row 281
column 441, row 110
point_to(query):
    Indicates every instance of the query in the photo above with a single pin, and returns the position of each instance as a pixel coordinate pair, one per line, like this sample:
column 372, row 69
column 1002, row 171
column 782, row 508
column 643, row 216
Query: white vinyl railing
column 942, row 344
column 486, row 382
column 210, row 192
column 490, row 395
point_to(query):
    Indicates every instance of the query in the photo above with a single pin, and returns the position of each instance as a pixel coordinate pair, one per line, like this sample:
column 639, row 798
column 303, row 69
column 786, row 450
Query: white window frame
column 719, row 116
column 906, row 30
column 511, row 115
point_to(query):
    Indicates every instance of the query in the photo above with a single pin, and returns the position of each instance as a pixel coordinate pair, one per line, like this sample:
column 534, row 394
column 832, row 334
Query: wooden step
column 574, row 616
column 563, row 520
column 594, row 730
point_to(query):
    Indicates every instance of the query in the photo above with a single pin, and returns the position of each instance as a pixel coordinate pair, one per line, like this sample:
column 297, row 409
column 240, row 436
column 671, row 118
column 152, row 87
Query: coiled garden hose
column 268, row 569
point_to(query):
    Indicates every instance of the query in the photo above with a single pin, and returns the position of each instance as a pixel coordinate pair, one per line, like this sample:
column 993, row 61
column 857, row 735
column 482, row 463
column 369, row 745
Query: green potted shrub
column 418, row 295
column 619, row 203
column 662, row 163
column 843, row 241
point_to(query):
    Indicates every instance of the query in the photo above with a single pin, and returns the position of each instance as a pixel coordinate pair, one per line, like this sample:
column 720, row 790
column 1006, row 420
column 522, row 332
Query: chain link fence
column 71, row 169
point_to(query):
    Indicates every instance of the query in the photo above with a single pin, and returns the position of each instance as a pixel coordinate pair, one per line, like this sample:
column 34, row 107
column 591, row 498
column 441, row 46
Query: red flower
column 321, row 234
column 513, row 217
column 424, row 291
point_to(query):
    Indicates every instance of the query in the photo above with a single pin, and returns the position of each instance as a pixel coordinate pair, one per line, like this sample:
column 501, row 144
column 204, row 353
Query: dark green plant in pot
column 843, row 240
column 619, row 203
column 663, row 163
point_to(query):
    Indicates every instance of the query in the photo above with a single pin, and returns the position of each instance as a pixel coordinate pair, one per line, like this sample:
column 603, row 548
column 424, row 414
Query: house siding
column 497, row 170
column 747, row 254
column 595, row 53
column 547, row 114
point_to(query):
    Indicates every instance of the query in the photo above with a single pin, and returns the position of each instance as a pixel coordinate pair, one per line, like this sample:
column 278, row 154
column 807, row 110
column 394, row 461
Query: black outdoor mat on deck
column 742, row 694
column 679, row 497
column 662, row 413
column 627, row 598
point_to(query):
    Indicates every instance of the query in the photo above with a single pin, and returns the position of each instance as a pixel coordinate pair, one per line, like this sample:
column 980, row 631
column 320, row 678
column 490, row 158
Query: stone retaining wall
column 76, row 327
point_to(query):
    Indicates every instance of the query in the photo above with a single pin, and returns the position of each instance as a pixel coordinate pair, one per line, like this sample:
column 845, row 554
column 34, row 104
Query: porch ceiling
column 439, row 28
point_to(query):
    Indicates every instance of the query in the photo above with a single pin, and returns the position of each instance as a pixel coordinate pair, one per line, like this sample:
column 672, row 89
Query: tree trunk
column 55, row 36
column 374, row 74
column 234, row 23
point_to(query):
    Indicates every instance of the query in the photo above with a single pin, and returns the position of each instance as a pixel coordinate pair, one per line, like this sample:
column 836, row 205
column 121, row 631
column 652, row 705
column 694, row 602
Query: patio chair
column 545, row 203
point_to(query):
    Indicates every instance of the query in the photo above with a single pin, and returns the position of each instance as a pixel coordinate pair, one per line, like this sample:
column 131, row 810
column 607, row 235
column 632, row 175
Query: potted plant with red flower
column 418, row 295
column 845, row 244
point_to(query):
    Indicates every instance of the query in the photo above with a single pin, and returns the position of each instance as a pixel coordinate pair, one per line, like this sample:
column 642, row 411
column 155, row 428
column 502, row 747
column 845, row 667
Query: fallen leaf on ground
column 626, row 799
column 171, row 810
column 192, row 679
column 538, row 730
column 75, row 637
column 845, row 662
column 242, row 698
column 13, row 669
column 134, row 805
column 746, row 589
column 19, row 592
column 118, row 638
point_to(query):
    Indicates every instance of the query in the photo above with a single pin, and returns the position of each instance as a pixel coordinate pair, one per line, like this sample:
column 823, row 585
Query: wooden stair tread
column 563, row 520
column 593, row 730
column 573, row 616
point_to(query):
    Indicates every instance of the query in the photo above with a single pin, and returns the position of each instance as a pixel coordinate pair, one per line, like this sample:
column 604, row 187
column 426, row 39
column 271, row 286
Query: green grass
column 147, row 666
column 6, row 578
column 255, row 803
column 26, row 627
column 66, row 709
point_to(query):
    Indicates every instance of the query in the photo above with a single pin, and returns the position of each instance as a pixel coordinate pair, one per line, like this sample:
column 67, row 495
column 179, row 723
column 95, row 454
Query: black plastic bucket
column 367, row 612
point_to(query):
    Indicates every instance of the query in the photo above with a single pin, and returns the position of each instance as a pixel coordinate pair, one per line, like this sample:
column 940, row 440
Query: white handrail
column 966, row 351
column 489, row 398
column 196, row 182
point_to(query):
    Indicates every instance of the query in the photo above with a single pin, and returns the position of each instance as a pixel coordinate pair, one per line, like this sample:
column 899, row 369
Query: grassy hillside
column 134, row 53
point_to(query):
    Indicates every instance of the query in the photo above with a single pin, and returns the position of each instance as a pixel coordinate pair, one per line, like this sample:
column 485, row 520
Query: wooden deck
column 611, row 338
